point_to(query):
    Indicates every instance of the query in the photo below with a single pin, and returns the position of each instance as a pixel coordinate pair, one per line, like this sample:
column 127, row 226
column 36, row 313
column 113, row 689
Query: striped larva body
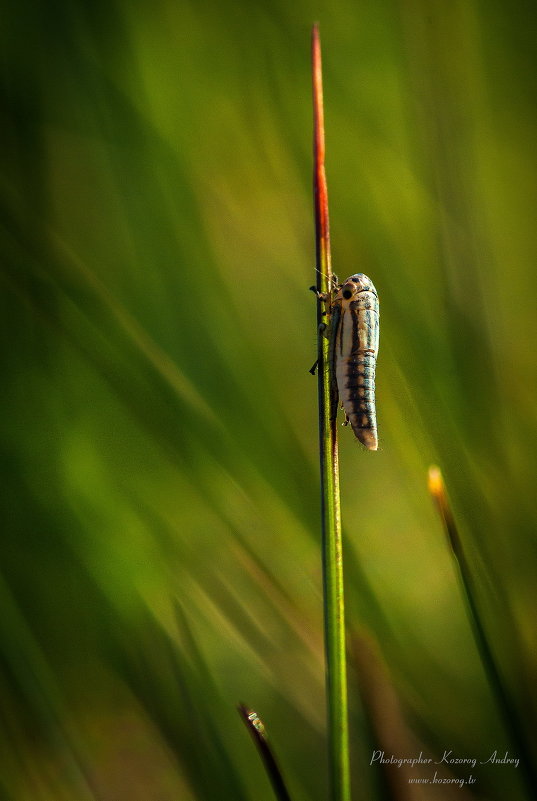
column 354, row 344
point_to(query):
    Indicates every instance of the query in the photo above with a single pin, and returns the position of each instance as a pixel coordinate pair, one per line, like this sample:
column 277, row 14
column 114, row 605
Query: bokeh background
column 160, row 557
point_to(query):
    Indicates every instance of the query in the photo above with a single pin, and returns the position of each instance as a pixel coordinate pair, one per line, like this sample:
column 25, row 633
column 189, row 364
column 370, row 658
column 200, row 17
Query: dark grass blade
column 334, row 611
column 257, row 730
column 507, row 708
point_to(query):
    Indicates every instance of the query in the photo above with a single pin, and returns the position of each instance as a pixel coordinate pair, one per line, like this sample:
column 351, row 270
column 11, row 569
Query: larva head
column 354, row 285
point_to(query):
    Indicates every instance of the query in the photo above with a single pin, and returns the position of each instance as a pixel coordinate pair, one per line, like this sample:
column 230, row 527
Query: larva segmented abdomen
column 357, row 393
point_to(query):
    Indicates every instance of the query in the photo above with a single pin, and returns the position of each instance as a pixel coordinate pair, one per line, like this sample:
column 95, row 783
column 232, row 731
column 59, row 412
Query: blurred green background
column 160, row 555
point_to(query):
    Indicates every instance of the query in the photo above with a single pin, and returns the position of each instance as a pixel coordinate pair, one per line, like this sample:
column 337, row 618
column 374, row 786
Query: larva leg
column 322, row 296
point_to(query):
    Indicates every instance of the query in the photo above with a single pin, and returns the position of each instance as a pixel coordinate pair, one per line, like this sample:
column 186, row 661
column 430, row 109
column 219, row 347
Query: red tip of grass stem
column 322, row 227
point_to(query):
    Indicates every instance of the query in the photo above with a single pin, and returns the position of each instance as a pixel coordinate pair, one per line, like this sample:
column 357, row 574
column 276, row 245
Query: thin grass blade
column 257, row 730
column 507, row 708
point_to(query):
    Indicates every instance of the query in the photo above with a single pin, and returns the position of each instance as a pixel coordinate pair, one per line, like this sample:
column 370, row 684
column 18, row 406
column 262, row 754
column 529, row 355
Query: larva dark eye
column 356, row 280
column 347, row 293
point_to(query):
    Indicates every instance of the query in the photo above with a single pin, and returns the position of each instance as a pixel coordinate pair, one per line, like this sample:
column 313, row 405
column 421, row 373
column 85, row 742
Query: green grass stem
column 334, row 609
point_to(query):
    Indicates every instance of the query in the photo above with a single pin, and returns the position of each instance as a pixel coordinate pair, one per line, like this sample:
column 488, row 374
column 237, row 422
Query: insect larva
column 354, row 344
